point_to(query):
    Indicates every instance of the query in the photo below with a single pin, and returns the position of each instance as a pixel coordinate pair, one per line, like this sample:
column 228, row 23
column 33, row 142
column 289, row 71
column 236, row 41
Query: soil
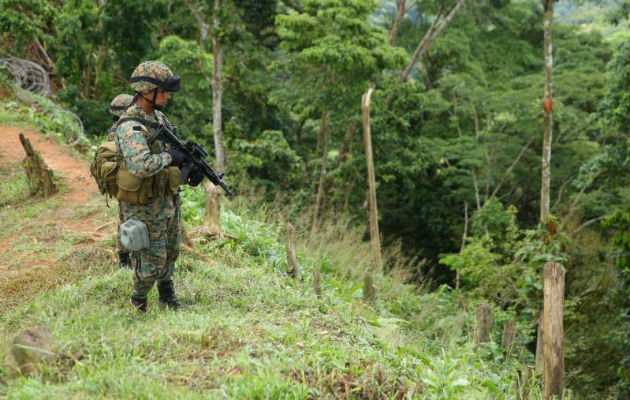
column 76, row 173
column 22, row 274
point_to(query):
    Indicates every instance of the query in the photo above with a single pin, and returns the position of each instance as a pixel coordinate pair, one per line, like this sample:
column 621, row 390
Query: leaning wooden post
column 553, row 330
column 40, row 176
column 484, row 323
column 292, row 265
column 367, row 139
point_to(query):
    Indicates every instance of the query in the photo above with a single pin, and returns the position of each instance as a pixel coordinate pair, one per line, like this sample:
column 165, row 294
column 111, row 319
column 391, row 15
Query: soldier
column 148, row 183
column 118, row 105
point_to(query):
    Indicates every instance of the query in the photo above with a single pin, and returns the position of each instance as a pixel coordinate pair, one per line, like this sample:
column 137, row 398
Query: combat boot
column 167, row 297
column 124, row 260
column 140, row 304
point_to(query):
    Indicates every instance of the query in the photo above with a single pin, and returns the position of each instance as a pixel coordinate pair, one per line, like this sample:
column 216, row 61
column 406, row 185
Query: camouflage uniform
column 117, row 107
column 145, row 157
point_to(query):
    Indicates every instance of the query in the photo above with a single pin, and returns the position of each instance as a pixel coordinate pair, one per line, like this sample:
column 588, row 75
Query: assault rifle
column 194, row 155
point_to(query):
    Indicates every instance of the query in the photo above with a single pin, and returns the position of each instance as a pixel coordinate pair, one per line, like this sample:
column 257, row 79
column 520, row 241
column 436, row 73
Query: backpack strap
column 142, row 121
column 150, row 124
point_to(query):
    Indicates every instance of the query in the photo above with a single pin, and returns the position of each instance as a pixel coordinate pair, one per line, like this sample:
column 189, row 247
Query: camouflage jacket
column 143, row 156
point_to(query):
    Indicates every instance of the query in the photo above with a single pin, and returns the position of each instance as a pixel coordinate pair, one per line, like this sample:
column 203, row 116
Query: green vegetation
column 255, row 333
column 457, row 150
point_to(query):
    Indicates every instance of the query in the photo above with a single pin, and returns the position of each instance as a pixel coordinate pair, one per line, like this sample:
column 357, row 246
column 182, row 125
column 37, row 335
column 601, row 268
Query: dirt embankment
column 76, row 172
column 30, row 259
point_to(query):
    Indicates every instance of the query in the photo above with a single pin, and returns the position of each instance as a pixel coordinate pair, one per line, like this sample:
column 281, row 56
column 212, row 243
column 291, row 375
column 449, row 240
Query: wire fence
column 33, row 85
column 28, row 75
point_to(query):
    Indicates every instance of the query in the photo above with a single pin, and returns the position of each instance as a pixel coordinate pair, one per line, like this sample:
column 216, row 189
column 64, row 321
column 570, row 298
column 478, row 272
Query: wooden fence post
column 292, row 265
column 212, row 222
column 39, row 174
column 539, row 344
column 367, row 139
column 484, row 323
column 522, row 384
column 317, row 282
column 369, row 294
column 507, row 339
column 553, row 330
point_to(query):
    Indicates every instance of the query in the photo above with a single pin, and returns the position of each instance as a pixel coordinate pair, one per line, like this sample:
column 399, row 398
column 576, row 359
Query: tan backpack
column 105, row 166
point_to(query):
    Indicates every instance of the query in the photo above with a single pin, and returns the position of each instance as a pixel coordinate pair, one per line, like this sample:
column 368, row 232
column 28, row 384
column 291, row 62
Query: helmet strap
column 153, row 100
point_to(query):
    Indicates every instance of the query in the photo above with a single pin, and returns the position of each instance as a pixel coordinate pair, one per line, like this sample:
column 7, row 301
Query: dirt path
column 29, row 261
column 76, row 173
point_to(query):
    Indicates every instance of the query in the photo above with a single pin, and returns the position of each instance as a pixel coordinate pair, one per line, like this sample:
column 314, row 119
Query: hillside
column 252, row 332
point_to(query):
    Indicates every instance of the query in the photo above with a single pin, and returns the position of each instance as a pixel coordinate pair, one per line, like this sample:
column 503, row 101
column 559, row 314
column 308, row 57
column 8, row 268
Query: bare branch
column 507, row 171
column 587, row 223
column 561, row 191
column 430, row 37
column 476, row 185
column 419, row 50
column 294, row 5
column 410, row 5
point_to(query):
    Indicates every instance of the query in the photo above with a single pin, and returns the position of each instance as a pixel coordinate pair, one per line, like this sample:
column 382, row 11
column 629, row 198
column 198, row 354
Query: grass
column 252, row 331
column 14, row 189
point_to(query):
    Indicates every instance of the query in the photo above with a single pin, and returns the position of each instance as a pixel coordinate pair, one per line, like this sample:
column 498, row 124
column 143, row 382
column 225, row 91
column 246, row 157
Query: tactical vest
column 114, row 179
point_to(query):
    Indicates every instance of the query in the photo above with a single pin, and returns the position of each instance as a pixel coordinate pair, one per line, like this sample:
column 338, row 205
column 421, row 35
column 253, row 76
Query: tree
column 332, row 52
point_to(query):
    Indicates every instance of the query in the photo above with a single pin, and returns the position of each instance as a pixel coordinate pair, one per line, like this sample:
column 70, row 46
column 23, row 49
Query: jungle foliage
column 461, row 137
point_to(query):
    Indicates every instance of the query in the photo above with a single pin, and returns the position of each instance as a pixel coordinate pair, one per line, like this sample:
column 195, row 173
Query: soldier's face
column 162, row 97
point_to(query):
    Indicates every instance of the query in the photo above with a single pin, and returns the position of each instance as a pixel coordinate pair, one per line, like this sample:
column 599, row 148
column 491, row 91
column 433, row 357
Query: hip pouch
column 134, row 235
column 132, row 189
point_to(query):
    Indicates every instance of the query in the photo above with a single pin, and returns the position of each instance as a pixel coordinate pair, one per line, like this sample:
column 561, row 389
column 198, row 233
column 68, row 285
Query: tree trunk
column 548, row 106
column 39, row 174
column 400, row 13
column 217, row 122
column 323, row 141
column 367, row 140
column 347, row 140
column 553, row 330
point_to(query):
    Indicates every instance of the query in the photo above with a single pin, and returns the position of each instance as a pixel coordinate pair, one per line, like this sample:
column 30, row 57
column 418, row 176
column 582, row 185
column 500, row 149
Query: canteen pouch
column 132, row 189
column 134, row 235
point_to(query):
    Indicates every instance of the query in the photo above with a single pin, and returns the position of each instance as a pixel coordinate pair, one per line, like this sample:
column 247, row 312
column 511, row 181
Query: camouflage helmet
column 150, row 75
column 120, row 104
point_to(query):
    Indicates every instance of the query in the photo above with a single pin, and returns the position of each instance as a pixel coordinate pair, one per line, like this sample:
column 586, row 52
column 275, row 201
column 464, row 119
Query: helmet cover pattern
column 150, row 75
column 120, row 104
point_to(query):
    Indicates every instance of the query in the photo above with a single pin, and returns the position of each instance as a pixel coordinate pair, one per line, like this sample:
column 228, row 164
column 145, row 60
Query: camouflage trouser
column 119, row 247
column 156, row 263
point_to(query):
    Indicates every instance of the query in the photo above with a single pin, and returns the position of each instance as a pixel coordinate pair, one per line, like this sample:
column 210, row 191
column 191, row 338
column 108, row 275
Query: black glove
column 195, row 177
column 177, row 156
